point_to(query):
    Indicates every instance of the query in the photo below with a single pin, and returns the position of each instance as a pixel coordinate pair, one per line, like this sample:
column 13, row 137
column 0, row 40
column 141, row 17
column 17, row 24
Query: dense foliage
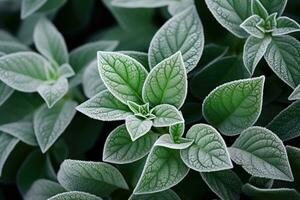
column 184, row 99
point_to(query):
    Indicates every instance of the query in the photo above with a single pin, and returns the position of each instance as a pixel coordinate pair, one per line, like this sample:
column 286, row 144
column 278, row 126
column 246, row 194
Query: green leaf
column 6, row 36
column 43, row 189
column 226, row 184
column 230, row 14
column 294, row 96
column 24, row 71
column 120, row 149
column 167, row 83
column 227, row 69
column 135, row 108
column 286, row 124
column 26, row 29
column 274, row 194
column 285, row 25
column 167, row 142
column 49, row 124
column 283, row 56
column 12, row 47
column 7, row 144
column 5, row 92
column 74, row 195
column 141, row 3
column 35, row 166
column 258, row 9
column 23, row 130
column 104, row 106
column 65, row 70
column 82, row 56
column 234, row 106
column 164, row 195
column 270, row 23
column 139, row 56
column 96, row 178
column 176, row 131
column 163, row 169
column 91, row 81
column 137, row 127
column 274, row 6
column 166, row 115
column 30, row 6
column 250, row 26
column 122, row 75
column 265, row 151
column 50, row 42
column 189, row 40
column 254, row 51
column 53, row 92
column 208, row 152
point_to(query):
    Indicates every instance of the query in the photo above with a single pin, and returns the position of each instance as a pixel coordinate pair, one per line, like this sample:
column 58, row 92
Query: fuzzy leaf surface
column 261, row 153
column 43, row 189
column 23, row 130
column 163, row 169
column 166, row 115
column 167, row 83
column 24, row 71
column 254, row 51
column 49, row 124
column 283, row 56
column 50, row 42
column 120, row 149
column 52, row 93
column 184, row 33
column 123, row 76
column 234, row 106
column 104, row 106
column 137, row 127
column 91, row 81
column 93, row 177
column 208, row 151
column 230, row 14
column 286, row 25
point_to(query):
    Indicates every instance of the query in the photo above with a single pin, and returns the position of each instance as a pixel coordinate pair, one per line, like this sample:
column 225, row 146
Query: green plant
column 172, row 120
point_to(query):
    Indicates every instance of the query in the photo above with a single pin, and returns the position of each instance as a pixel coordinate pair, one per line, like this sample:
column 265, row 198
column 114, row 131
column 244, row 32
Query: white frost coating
column 184, row 33
column 238, row 117
column 104, row 106
column 24, row 71
column 167, row 82
column 52, row 93
column 262, row 154
column 166, row 115
column 49, row 124
column 208, row 152
column 120, row 149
